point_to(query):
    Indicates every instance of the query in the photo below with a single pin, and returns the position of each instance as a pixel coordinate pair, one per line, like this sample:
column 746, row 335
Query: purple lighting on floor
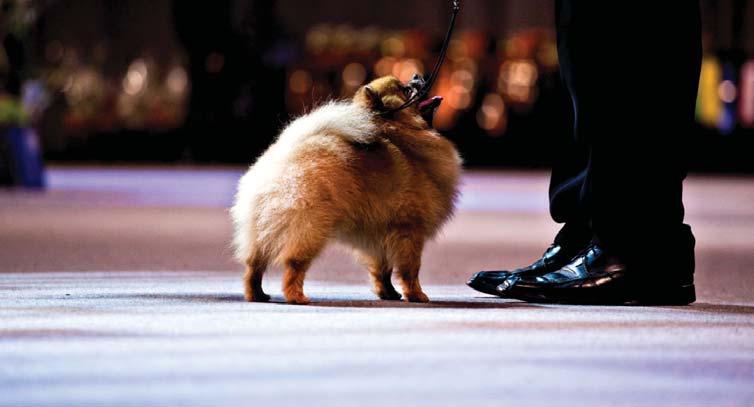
column 194, row 187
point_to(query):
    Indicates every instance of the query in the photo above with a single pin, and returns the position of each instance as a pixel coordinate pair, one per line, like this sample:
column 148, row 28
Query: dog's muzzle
column 427, row 106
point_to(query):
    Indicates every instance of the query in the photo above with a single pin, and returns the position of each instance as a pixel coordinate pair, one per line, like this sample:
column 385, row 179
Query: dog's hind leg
column 380, row 271
column 296, row 259
column 307, row 231
column 256, row 265
column 404, row 252
column 293, row 280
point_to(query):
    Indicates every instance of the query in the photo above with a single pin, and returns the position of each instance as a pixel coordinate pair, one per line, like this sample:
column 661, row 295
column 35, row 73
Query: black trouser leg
column 565, row 203
column 632, row 70
column 566, row 181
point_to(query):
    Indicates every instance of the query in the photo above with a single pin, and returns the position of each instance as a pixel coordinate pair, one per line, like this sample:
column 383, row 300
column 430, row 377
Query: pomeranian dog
column 381, row 184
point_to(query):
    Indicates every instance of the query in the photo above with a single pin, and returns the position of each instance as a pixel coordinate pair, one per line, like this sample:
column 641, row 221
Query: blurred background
column 132, row 121
column 167, row 81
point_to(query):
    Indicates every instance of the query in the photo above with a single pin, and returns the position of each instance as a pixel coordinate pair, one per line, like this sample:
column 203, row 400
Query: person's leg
column 569, row 166
column 634, row 97
column 566, row 182
column 632, row 69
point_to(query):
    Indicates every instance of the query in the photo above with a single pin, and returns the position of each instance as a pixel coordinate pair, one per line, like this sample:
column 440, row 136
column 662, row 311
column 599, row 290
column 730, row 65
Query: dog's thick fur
column 380, row 185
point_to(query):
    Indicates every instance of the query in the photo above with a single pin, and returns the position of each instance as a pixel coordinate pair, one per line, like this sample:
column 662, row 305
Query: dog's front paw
column 389, row 295
column 297, row 299
column 257, row 297
column 417, row 297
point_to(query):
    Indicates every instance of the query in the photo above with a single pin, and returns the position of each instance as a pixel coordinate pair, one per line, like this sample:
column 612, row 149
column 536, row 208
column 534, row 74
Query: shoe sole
column 677, row 295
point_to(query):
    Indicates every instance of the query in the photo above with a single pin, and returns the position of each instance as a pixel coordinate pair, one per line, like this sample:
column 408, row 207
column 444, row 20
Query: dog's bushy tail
column 348, row 119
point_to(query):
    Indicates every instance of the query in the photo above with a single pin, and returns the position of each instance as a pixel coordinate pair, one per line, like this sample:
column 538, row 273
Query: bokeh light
column 300, row 81
column 354, row 74
column 135, row 80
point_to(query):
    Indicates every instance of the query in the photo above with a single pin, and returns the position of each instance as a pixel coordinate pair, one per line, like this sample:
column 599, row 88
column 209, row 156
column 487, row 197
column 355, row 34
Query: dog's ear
column 391, row 101
column 373, row 98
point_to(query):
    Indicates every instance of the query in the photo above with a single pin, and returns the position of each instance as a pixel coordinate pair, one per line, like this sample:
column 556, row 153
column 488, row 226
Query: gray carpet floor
column 117, row 288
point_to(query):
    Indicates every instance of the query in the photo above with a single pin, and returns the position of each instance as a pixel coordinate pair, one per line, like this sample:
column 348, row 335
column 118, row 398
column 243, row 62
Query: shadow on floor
column 478, row 302
column 481, row 303
column 318, row 301
column 718, row 308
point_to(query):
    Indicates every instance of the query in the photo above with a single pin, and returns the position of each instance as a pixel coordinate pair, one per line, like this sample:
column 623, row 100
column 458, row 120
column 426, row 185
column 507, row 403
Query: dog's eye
column 407, row 91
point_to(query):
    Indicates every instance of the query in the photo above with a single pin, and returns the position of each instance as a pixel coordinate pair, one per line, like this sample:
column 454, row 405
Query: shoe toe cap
column 488, row 278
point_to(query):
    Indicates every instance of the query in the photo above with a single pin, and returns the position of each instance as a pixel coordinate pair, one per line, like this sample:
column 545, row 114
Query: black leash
column 416, row 97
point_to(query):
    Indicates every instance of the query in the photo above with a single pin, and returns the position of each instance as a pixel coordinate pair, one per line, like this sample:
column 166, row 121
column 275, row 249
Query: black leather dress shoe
column 555, row 257
column 595, row 277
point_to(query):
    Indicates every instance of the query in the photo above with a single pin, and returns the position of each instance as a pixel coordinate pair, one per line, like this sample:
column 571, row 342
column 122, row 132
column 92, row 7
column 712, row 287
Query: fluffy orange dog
column 382, row 185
